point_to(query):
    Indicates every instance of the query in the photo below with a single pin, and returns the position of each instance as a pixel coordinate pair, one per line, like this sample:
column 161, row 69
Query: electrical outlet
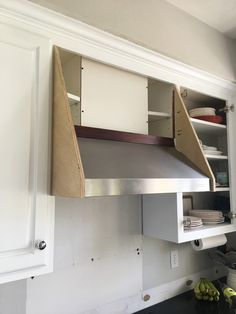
column 174, row 258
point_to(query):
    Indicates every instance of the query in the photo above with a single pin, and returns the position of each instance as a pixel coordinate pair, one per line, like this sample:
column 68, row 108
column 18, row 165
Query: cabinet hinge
column 228, row 108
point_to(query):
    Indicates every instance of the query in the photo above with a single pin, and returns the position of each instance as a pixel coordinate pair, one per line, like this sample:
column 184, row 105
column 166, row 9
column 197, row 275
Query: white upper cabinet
column 26, row 209
column 208, row 140
column 102, row 96
column 113, row 98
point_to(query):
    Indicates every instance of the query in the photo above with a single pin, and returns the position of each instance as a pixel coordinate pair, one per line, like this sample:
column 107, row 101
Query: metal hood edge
column 121, row 163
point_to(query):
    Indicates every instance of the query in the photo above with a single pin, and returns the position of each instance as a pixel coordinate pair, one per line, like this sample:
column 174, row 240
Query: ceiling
column 219, row 14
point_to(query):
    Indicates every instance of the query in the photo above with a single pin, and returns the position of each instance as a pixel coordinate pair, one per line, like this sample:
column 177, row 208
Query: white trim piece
column 158, row 294
column 158, row 114
column 100, row 45
column 176, row 287
column 215, row 157
column 207, row 126
column 73, row 98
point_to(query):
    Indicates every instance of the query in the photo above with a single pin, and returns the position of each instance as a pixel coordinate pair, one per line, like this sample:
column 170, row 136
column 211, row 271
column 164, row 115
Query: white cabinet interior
column 160, row 211
column 160, row 108
column 110, row 98
column 212, row 136
column 97, row 93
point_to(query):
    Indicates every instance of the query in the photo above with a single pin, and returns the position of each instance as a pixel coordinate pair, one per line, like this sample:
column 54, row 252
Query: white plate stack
column 211, row 150
column 204, row 111
column 209, row 217
column 191, row 222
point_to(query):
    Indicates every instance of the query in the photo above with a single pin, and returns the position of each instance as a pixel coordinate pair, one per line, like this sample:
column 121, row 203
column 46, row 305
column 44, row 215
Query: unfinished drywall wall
column 13, row 297
column 98, row 256
column 157, row 266
column 99, row 259
column 160, row 26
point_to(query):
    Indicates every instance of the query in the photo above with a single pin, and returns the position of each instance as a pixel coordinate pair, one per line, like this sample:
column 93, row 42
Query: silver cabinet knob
column 41, row 245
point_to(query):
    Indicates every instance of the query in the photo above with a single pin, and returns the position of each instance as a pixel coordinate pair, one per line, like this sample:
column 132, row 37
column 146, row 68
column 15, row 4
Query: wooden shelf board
column 208, row 127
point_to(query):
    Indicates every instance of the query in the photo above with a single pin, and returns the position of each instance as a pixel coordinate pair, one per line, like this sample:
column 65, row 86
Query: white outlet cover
column 174, row 258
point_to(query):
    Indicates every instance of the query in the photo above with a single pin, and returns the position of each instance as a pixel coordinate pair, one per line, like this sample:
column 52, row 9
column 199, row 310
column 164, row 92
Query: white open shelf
column 208, row 127
column 215, row 157
column 155, row 115
column 160, row 211
column 209, row 230
column 222, row 189
column 73, row 99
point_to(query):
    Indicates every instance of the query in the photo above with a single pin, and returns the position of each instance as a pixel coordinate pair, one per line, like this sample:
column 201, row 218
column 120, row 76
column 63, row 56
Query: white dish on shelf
column 213, row 219
column 205, row 147
column 213, row 222
column 192, row 222
column 206, row 211
column 207, row 215
column 193, row 227
column 204, row 111
column 192, row 218
column 212, row 152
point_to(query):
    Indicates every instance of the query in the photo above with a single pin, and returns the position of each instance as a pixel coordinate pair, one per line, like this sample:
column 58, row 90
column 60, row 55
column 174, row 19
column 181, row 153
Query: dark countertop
column 187, row 304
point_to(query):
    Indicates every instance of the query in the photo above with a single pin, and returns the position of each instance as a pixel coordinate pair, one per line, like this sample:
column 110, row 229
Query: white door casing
column 231, row 119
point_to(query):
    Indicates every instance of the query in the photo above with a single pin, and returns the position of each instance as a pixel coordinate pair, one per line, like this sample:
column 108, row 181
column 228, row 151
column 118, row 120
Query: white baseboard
column 158, row 294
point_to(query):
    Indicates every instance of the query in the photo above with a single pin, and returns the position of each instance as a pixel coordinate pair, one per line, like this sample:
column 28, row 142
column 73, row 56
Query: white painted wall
column 160, row 26
column 13, row 297
column 105, row 229
column 156, row 262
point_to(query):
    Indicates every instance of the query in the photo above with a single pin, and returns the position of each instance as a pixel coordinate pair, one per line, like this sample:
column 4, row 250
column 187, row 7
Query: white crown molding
column 100, row 45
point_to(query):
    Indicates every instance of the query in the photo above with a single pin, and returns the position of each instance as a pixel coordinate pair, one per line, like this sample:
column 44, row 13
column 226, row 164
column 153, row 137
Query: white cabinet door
column 26, row 209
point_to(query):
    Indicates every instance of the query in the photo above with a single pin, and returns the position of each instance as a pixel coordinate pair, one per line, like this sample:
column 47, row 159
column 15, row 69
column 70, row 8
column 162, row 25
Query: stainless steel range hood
column 114, row 167
column 98, row 162
column 95, row 162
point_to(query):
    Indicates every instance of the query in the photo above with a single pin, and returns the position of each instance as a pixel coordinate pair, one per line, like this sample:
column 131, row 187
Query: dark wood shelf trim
column 104, row 134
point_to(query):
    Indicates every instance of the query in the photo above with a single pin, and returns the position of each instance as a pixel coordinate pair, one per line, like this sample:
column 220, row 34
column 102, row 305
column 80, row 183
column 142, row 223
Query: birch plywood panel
column 187, row 141
column 67, row 169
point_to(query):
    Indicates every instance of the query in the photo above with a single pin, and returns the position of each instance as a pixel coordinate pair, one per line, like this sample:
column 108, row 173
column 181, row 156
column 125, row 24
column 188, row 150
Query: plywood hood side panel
column 67, row 169
column 186, row 139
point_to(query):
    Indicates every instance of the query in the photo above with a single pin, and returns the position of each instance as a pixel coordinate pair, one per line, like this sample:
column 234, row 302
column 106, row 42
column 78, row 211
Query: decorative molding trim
column 103, row 46
column 113, row 135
